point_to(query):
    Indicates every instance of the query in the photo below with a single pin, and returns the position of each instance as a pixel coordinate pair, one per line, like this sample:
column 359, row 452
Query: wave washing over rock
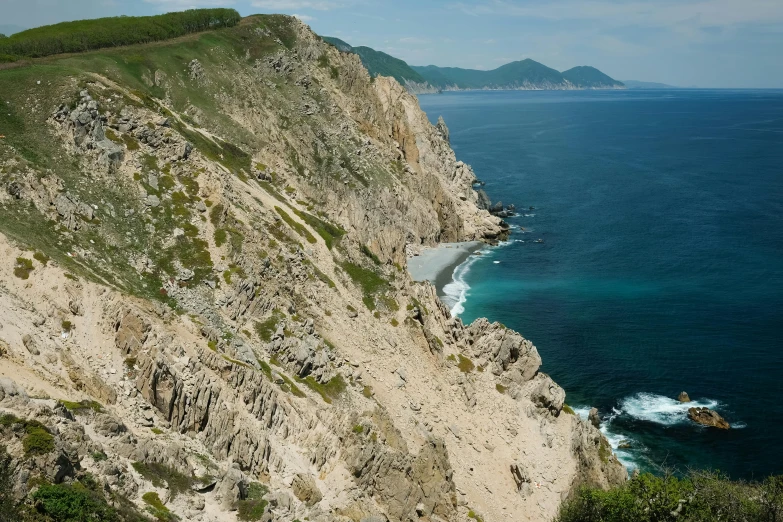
column 201, row 284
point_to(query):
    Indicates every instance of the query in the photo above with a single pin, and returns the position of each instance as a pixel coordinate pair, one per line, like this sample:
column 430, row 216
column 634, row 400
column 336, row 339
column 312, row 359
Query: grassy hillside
column 86, row 35
column 379, row 63
column 586, row 76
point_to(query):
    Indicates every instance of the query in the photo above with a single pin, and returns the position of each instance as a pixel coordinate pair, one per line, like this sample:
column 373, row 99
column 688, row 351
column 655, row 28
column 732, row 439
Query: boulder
column 305, row 489
column 708, row 417
column 593, row 417
column 545, row 393
column 683, row 397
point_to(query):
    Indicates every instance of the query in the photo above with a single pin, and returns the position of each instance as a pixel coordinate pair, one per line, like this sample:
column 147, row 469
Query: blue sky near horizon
column 709, row 43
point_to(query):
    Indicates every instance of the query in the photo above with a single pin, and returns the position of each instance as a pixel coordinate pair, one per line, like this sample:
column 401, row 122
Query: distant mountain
column 633, row 84
column 590, row 77
column 525, row 74
column 380, row 63
column 8, row 29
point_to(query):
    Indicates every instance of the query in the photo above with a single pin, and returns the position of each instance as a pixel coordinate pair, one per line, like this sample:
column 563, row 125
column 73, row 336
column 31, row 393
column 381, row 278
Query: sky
column 706, row 43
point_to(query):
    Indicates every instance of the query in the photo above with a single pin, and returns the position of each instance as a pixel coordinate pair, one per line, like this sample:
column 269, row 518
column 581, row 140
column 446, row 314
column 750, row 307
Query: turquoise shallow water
column 661, row 268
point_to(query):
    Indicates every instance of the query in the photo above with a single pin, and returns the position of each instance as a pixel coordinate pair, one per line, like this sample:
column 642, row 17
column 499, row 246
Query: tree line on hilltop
column 87, row 35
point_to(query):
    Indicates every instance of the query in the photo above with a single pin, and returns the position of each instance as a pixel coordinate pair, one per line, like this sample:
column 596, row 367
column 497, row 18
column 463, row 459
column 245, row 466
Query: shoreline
column 437, row 264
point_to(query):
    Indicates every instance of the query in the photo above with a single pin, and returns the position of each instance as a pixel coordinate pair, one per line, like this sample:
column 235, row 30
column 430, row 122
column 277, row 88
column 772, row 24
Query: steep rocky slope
column 202, row 296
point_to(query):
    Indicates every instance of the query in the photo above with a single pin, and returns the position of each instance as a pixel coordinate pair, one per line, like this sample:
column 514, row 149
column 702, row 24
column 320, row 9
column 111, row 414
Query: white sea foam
column 456, row 292
column 626, row 456
column 660, row 409
column 496, row 262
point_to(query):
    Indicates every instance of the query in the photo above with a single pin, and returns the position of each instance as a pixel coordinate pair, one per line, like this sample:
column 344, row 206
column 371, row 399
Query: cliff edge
column 204, row 310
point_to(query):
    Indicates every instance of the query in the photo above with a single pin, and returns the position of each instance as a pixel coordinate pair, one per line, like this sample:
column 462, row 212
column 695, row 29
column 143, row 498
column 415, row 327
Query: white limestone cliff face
column 278, row 366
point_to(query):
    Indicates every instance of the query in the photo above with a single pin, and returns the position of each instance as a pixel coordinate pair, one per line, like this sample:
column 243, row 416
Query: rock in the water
column 683, row 397
column 593, row 417
column 708, row 417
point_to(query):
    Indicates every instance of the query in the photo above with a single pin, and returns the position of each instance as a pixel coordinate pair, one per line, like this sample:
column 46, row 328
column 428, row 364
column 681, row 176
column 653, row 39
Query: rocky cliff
column 203, row 310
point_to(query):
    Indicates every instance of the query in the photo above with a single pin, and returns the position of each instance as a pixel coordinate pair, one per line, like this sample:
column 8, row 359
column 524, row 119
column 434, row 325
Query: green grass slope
column 101, row 33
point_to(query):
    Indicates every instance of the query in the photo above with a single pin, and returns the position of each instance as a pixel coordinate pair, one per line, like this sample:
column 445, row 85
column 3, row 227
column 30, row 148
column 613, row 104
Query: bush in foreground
column 697, row 497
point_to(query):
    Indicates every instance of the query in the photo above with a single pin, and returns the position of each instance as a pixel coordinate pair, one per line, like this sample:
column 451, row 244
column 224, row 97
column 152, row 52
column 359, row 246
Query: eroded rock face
column 683, row 397
column 708, row 417
column 273, row 369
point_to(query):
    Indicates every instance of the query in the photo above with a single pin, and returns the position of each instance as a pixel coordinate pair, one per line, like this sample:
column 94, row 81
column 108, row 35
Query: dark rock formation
column 683, row 397
column 708, row 417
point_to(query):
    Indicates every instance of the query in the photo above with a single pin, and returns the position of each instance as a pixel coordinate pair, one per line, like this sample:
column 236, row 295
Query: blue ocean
column 661, row 266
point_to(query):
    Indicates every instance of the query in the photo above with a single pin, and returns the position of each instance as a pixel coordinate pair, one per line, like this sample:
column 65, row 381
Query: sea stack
column 683, row 397
column 593, row 417
column 708, row 417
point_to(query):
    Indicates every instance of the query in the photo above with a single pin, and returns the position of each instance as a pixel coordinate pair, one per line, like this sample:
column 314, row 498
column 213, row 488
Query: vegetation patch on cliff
column 696, row 497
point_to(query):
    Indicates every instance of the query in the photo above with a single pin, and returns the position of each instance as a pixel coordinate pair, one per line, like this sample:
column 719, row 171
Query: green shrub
column 160, row 475
column 66, row 326
column 99, row 456
column 252, row 508
column 72, row 503
column 37, row 440
column 500, row 388
column 41, row 258
column 85, row 35
column 23, row 268
column 568, row 409
column 394, row 322
column 696, row 497
column 156, row 431
column 358, row 429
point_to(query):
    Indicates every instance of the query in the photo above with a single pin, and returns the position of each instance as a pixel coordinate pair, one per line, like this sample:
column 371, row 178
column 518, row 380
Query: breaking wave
column 660, row 409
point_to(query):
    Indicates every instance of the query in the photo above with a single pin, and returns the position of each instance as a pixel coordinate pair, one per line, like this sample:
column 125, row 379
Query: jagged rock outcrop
column 213, row 295
column 708, row 417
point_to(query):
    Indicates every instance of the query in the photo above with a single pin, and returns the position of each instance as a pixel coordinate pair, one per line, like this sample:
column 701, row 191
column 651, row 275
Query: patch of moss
column 156, row 507
column 66, row 326
column 367, row 392
column 23, row 268
column 266, row 328
column 500, row 388
column 329, row 233
column 329, row 391
column 465, row 365
column 298, row 227
column 568, row 409
column 41, row 258
column 394, row 322
column 81, row 407
column 358, row 429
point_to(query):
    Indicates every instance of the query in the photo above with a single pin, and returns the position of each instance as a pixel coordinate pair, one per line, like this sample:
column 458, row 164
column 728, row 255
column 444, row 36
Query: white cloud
column 293, row 5
column 303, row 18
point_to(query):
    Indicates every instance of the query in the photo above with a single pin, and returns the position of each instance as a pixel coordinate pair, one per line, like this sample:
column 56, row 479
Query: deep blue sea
column 661, row 267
